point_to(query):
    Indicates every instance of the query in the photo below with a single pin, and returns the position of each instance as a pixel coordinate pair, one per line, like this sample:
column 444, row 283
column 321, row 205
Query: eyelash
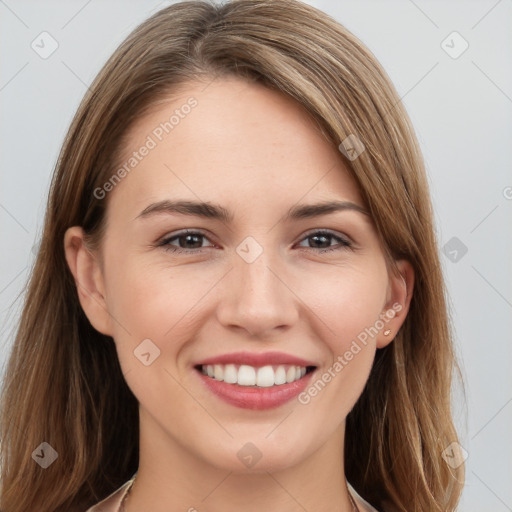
column 343, row 242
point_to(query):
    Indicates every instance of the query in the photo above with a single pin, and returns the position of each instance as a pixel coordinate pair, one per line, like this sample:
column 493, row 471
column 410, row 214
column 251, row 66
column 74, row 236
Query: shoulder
column 111, row 503
column 363, row 505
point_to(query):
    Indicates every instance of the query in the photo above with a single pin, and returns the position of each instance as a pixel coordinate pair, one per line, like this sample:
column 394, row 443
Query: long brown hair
column 64, row 384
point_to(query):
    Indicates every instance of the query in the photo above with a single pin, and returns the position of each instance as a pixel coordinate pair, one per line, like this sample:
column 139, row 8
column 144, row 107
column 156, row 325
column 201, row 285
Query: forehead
column 234, row 142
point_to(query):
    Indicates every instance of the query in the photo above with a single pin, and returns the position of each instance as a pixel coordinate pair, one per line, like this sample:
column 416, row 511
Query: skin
column 256, row 153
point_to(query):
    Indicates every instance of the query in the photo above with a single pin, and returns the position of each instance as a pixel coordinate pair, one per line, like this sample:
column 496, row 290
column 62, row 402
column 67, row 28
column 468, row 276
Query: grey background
column 461, row 109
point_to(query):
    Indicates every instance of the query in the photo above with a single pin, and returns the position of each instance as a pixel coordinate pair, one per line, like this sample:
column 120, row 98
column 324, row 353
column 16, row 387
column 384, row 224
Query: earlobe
column 88, row 276
column 401, row 285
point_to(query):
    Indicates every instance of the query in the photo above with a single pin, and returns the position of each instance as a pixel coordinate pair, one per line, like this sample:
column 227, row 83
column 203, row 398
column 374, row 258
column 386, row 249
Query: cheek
column 346, row 300
column 160, row 304
column 165, row 303
column 346, row 307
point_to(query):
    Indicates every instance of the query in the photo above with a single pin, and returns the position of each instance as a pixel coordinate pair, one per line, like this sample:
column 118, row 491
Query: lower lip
column 253, row 397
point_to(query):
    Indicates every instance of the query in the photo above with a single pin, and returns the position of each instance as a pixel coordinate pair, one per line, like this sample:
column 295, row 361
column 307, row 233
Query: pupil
column 190, row 238
column 323, row 237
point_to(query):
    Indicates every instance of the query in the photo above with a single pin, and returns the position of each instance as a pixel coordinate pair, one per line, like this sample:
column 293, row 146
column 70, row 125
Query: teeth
column 245, row 375
column 218, row 372
column 230, row 374
column 280, row 376
column 265, row 377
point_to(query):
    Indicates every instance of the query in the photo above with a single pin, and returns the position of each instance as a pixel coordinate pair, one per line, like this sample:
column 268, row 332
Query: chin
column 255, row 457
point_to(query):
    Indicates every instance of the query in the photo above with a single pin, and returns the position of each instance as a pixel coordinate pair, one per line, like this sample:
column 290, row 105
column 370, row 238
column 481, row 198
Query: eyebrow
column 217, row 212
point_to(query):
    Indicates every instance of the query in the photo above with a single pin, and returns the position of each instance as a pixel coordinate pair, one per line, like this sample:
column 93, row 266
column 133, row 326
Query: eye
column 192, row 242
column 324, row 239
column 187, row 241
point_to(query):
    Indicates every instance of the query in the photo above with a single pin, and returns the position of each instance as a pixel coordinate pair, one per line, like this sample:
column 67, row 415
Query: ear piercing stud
column 387, row 332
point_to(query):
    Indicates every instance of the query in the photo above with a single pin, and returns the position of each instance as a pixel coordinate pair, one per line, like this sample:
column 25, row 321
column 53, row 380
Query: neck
column 171, row 475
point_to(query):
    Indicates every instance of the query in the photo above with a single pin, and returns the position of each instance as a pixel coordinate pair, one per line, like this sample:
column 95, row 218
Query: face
column 255, row 284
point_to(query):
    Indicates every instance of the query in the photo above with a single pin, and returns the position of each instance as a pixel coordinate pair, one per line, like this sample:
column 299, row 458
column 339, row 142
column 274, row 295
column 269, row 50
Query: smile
column 250, row 376
column 255, row 381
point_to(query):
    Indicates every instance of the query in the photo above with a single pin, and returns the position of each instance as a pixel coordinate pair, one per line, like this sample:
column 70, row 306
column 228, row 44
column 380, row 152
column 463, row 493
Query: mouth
column 255, row 381
column 255, row 377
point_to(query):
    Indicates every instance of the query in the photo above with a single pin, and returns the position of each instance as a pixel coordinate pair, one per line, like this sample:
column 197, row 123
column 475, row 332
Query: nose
column 257, row 298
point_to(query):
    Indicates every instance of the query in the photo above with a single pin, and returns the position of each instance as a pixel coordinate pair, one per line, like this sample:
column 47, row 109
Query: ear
column 86, row 270
column 398, row 300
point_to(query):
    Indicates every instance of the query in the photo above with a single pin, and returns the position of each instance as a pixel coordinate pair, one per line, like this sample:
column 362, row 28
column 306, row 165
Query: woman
column 185, row 343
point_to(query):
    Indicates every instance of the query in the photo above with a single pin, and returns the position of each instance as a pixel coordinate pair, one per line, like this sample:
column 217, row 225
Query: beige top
column 111, row 503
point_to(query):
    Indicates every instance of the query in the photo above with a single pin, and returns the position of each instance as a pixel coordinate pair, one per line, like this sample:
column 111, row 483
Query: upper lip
column 256, row 359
